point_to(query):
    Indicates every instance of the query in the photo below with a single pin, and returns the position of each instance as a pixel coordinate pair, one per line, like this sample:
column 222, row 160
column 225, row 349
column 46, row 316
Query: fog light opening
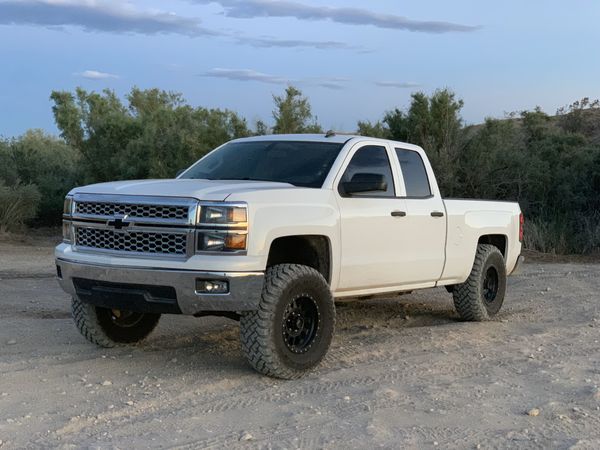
column 212, row 286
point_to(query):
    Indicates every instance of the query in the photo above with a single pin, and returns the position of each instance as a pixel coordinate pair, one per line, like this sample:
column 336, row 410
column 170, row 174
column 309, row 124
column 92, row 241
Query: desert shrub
column 48, row 163
column 548, row 236
column 18, row 204
column 8, row 168
column 588, row 234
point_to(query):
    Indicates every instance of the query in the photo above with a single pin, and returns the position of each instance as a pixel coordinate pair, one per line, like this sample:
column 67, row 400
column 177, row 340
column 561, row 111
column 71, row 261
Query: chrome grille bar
column 140, row 226
column 131, row 241
column 132, row 210
column 137, row 209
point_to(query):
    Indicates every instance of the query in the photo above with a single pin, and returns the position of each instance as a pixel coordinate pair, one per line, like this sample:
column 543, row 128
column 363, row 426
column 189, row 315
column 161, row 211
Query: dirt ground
column 403, row 372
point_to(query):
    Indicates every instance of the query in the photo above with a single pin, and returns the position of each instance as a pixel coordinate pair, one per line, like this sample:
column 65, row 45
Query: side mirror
column 365, row 182
column 179, row 172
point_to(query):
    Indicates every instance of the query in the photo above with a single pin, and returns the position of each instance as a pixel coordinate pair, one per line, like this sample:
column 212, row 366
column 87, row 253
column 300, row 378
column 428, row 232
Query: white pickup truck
column 270, row 230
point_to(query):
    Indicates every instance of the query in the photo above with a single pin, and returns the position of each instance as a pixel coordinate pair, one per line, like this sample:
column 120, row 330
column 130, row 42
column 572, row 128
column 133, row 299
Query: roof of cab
column 336, row 138
column 339, row 138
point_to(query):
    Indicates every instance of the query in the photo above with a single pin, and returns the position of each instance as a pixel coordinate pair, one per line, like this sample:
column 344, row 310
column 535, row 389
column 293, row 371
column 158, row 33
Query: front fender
column 291, row 212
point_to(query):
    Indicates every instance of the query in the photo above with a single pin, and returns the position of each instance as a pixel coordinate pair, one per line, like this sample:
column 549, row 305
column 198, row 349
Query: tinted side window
column 414, row 173
column 371, row 159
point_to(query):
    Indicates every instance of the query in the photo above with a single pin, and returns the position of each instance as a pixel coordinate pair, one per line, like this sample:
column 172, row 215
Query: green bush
column 48, row 163
column 18, row 204
column 549, row 164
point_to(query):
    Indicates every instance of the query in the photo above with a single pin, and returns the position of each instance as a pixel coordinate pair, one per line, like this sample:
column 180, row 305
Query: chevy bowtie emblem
column 118, row 223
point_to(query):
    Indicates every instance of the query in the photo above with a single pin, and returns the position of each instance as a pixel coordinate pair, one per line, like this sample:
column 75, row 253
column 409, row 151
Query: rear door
column 424, row 253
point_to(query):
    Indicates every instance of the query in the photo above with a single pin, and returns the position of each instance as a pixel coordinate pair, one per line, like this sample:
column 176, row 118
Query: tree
column 435, row 124
column 154, row 135
column 261, row 128
column 376, row 130
column 293, row 114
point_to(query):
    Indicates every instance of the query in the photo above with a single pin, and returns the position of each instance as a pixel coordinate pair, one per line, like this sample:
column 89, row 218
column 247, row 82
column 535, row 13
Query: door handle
column 398, row 213
column 437, row 214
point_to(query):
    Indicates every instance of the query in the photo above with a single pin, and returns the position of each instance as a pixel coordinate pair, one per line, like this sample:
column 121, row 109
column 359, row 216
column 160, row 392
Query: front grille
column 131, row 241
column 132, row 210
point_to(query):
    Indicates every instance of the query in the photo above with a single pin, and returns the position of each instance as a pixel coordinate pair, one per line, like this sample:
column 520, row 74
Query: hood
column 211, row 190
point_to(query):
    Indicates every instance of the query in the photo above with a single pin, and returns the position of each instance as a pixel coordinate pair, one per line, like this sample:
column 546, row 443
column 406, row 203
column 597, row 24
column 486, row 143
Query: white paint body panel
column 371, row 251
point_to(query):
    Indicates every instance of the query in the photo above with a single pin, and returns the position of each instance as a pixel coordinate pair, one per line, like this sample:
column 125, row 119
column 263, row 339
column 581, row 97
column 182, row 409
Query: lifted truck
column 270, row 230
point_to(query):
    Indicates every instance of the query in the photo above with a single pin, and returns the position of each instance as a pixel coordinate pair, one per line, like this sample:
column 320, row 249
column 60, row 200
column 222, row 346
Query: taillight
column 521, row 222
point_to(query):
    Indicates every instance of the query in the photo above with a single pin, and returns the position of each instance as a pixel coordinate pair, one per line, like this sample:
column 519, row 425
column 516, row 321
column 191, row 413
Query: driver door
column 371, row 222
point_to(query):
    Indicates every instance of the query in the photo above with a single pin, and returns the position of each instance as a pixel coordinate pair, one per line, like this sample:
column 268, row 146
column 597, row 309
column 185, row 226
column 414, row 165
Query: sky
column 353, row 59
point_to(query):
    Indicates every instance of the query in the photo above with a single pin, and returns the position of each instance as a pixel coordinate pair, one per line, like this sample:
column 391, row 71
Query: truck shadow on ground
column 207, row 343
column 221, row 336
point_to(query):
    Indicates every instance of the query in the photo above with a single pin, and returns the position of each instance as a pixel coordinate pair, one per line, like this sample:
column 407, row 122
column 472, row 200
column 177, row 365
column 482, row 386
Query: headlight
column 223, row 215
column 67, row 231
column 68, row 206
column 67, row 225
column 222, row 228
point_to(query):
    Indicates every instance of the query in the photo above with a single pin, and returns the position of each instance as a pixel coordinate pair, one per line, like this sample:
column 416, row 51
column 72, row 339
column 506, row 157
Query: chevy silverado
column 270, row 230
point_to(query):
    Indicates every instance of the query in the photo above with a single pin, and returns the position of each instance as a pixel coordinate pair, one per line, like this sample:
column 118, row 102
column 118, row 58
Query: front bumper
column 244, row 294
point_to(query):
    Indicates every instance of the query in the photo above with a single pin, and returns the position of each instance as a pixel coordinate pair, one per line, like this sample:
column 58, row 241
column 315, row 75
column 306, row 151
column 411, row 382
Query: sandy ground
column 402, row 372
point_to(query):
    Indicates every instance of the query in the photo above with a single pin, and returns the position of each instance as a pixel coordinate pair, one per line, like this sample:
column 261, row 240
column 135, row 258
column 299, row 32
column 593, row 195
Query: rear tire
column 482, row 295
column 291, row 331
column 109, row 327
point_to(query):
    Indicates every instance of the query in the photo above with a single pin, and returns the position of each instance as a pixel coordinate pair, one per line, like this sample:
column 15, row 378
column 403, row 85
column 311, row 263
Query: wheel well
column 497, row 240
column 309, row 250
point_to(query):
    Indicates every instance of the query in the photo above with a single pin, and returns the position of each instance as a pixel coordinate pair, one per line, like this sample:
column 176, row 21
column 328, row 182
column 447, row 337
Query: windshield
column 303, row 164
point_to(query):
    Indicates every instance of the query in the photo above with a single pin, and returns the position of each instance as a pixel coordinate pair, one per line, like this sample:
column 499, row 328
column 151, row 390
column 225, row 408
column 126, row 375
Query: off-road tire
column 263, row 332
column 95, row 324
column 469, row 297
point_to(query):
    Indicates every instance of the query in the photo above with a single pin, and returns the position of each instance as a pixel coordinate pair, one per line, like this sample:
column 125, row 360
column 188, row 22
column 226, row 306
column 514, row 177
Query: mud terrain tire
column 102, row 327
column 482, row 295
column 291, row 331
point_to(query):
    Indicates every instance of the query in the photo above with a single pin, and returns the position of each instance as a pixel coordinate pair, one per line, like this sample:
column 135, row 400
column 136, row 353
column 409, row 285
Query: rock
column 12, row 342
column 106, row 383
column 129, row 403
column 533, row 412
column 246, row 436
column 347, row 398
column 390, row 393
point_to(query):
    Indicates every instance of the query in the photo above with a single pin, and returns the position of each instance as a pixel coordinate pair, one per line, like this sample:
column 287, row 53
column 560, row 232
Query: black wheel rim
column 490, row 285
column 300, row 324
column 125, row 319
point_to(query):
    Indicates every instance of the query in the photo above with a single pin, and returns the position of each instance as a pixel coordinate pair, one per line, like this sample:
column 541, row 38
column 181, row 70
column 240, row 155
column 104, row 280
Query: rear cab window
column 414, row 173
